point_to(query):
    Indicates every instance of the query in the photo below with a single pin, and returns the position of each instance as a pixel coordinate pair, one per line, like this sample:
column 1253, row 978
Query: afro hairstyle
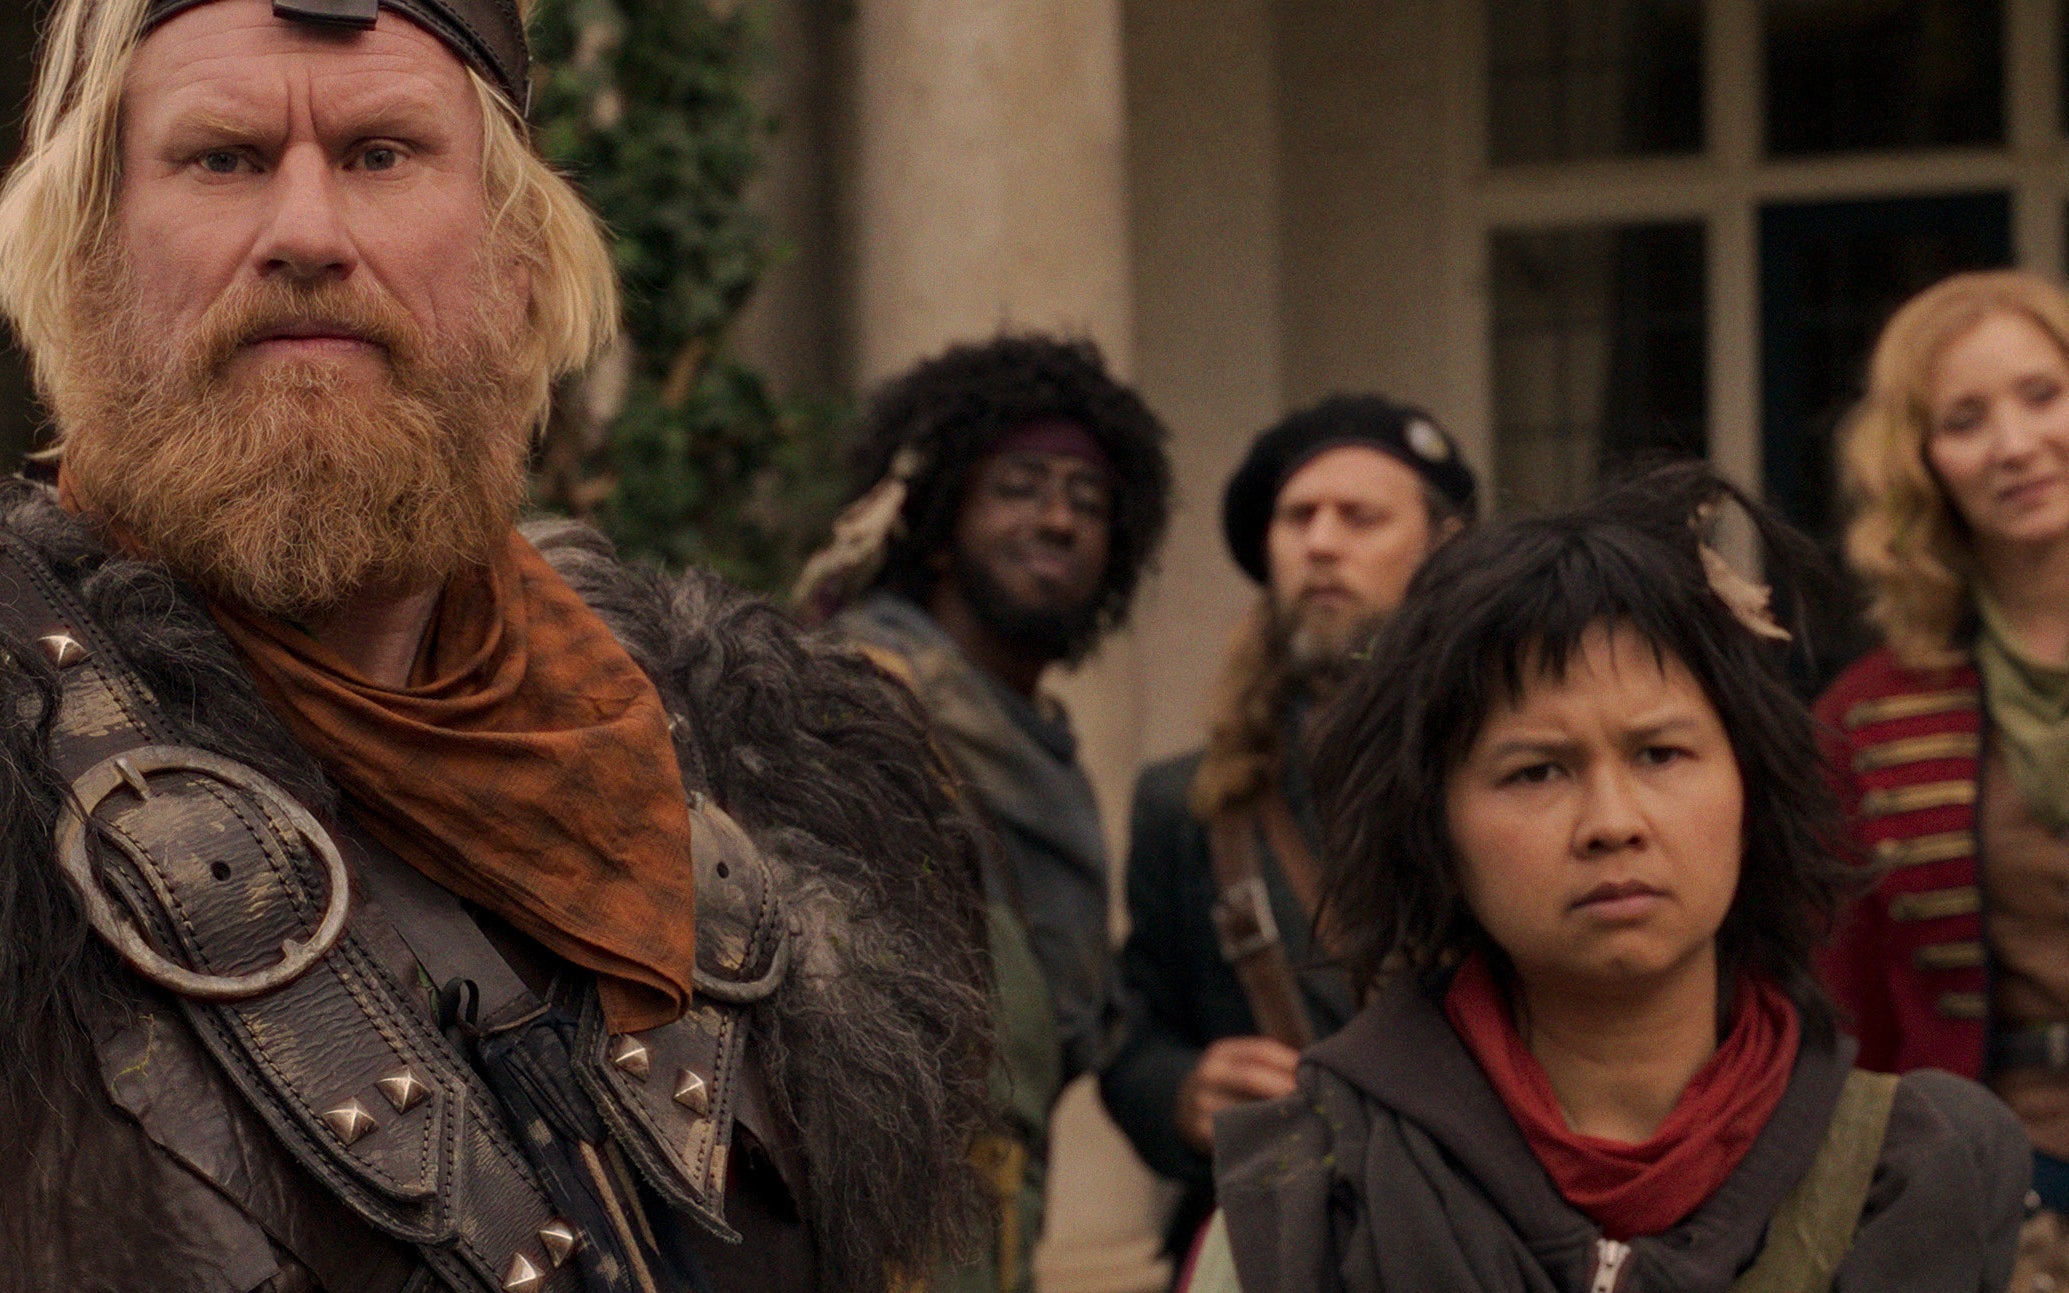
column 954, row 407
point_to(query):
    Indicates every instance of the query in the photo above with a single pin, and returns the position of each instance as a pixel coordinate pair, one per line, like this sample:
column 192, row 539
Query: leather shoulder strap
column 1289, row 847
column 214, row 872
column 1809, row 1235
column 1248, row 933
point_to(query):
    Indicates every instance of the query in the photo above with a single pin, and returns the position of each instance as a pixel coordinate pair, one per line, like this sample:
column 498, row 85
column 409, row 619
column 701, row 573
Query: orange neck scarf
column 527, row 767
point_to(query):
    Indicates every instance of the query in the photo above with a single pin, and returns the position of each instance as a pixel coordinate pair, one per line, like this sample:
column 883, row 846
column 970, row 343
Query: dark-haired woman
column 1575, row 821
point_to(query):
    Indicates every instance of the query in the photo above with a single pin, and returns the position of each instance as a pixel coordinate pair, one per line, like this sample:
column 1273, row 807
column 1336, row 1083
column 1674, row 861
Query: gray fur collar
column 877, row 1045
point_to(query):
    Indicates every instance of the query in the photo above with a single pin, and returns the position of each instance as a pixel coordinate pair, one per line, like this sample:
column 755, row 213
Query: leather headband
column 487, row 35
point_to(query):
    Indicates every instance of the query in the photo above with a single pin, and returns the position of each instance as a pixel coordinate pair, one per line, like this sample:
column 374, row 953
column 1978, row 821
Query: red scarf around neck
column 1641, row 1189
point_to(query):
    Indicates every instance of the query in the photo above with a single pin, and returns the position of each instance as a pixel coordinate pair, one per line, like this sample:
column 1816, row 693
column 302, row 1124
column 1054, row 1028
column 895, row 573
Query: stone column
column 988, row 190
column 989, row 182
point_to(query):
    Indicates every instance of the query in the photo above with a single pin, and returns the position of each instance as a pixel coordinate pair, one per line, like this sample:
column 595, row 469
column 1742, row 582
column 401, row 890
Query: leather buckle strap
column 354, row 1080
column 2038, row 1046
column 130, row 771
column 1243, row 920
column 1248, row 933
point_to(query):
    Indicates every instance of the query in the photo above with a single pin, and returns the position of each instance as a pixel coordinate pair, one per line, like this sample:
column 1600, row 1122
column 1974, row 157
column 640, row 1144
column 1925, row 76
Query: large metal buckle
column 75, row 859
column 1243, row 922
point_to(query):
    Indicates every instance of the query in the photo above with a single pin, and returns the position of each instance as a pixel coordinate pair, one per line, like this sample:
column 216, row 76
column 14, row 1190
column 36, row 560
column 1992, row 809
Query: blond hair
column 1905, row 537
column 57, row 204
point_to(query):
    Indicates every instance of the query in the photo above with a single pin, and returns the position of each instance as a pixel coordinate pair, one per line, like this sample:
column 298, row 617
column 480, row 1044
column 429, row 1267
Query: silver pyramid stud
column 523, row 1277
column 561, row 1240
column 403, row 1090
column 692, row 1094
column 63, row 649
column 630, row 1054
column 350, row 1121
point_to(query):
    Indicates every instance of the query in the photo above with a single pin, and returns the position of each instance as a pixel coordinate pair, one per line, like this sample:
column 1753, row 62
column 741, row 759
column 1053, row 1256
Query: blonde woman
column 1951, row 742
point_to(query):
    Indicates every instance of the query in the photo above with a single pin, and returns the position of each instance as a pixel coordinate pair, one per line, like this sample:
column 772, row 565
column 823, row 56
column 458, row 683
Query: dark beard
column 1043, row 632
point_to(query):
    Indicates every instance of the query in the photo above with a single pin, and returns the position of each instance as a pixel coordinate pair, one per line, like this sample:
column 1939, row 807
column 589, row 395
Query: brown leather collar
column 487, row 35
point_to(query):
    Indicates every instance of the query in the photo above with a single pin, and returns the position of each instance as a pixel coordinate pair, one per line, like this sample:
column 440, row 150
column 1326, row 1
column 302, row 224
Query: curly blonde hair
column 58, row 202
column 1905, row 537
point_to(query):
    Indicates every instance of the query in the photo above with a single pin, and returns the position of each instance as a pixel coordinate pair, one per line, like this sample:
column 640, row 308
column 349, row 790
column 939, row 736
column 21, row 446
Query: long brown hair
column 1245, row 733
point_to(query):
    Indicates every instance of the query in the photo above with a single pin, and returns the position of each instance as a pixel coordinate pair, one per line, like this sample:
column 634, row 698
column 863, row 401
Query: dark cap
column 487, row 35
column 1400, row 431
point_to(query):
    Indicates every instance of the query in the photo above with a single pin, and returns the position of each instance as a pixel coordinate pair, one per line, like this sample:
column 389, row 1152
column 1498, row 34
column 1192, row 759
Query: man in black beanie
column 1332, row 512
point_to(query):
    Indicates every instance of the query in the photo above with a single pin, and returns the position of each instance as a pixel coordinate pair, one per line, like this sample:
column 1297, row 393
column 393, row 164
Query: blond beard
column 291, row 488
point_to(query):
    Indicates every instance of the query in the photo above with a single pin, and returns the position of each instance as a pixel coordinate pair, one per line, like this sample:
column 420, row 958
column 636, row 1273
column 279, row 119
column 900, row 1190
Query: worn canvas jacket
column 1053, row 1001
column 135, row 1166
column 1396, row 1167
column 1022, row 765
column 1904, row 747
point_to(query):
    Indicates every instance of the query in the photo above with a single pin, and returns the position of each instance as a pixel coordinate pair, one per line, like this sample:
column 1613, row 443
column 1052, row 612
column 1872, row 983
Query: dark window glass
column 1831, row 274
column 1845, row 75
column 1570, row 79
column 1598, row 356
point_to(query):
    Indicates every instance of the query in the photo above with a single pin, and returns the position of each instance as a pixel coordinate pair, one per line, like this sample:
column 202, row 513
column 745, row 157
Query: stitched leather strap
column 1290, row 850
column 216, row 882
column 1247, row 932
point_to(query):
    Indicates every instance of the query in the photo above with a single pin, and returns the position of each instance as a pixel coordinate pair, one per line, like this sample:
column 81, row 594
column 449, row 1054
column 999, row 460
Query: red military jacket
column 1907, row 964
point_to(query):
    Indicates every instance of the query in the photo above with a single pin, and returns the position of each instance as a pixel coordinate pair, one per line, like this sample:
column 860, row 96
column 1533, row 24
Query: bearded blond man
column 395, row 898
column 1331, row 512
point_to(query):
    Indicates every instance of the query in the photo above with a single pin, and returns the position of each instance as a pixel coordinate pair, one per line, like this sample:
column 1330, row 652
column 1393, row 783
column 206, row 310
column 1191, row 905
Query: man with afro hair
column 1010, row 496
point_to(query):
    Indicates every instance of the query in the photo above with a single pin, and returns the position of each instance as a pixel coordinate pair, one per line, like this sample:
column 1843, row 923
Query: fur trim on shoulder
column 878, row 1046
column 57, row 982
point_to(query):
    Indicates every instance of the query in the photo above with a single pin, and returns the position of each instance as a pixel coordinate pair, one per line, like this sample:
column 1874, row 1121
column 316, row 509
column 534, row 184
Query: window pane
column 1845, row 75
column 1598, row 356
column 1571, row 79
column 1831, row 274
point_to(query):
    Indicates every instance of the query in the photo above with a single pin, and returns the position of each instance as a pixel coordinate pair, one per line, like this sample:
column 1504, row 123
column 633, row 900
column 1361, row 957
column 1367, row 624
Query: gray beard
column 1319, row 655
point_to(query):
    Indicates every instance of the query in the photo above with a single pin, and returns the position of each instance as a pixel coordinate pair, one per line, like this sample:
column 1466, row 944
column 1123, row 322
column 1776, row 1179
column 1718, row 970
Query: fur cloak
column 876, row 1046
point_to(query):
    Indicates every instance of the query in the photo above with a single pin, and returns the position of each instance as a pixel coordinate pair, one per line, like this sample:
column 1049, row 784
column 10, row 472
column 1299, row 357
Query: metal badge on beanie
column 1426, row 440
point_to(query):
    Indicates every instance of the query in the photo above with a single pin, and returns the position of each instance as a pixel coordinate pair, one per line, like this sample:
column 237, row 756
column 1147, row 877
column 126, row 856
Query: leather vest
column 298, row 954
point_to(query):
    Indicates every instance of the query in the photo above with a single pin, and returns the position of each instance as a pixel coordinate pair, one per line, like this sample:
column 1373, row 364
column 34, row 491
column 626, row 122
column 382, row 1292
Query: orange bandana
column 527, row 768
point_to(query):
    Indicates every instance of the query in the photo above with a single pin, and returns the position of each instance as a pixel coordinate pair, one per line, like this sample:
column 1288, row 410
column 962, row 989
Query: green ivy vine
column 677, row 449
